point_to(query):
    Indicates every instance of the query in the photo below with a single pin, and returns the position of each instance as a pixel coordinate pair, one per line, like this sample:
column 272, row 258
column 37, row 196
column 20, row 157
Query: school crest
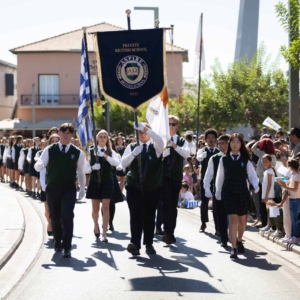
column 72, row 156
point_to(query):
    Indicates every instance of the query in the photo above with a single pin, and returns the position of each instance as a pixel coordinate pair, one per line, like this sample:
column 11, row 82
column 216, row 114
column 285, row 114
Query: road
column 197, row 267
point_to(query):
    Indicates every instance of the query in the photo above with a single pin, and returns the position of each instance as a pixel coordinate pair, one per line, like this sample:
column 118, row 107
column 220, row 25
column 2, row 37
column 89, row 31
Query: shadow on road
column 118, row 235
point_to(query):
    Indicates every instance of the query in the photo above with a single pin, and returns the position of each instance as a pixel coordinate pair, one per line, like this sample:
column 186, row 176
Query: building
column 53, row 66
column 247, row 33
column 8, row 90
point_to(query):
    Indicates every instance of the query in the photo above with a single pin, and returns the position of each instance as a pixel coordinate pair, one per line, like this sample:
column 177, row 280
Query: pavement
column 195, row 268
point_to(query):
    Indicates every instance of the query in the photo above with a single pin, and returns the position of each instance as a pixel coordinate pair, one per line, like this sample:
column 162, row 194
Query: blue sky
column 27, row 21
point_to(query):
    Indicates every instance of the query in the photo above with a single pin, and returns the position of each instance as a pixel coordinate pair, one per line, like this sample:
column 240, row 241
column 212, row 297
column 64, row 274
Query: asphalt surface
column 197, row 267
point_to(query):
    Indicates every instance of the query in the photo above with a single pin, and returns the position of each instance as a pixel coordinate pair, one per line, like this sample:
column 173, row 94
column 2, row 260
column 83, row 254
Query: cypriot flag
column 199, row 48
column 158, row 117
column 271, row 124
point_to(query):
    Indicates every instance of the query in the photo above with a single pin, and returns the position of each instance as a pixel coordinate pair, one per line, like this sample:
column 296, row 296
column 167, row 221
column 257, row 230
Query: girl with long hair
column 104, row 192
column 15, row 154
column 232, row 187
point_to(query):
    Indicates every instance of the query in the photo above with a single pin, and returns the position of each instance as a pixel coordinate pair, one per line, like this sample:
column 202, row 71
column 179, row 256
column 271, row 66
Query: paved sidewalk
column 12, row 225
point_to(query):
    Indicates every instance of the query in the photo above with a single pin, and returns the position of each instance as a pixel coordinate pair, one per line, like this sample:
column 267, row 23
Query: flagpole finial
column 156, row 23
column 84, row 29
column 128, row 12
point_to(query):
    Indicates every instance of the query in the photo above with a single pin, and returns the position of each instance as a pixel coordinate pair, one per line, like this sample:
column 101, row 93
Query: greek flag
column 84, row 129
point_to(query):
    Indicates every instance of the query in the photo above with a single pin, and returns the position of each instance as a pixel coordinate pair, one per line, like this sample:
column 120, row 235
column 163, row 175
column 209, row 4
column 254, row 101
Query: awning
column 9, row 124
column 49, row 123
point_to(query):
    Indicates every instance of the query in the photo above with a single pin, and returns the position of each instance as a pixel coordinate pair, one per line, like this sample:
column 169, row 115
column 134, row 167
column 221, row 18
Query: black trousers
column 159, row 216
column 221, row 219
column 142, row 214
column 263, row 209
column 170, row 195
column 204, row 206
column 61, row 202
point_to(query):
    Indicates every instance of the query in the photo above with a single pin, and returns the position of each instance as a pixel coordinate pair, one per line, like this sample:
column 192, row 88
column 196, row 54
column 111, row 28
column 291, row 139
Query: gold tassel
column 164, row 97
column 180, row 99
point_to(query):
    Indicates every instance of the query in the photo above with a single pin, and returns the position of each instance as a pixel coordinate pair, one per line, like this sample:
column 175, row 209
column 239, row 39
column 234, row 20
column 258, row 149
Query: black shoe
column 111, row 227
column 202, row 228
column 97, row 235
column 67, row 254
column 160, row 232
column 150, row 249
column 168, row 239
column 224, row 244
column 217, row 233
column 240, row 247
column 50, row 233
column 132, row 248
column 233, row 253
column 58, row 249
column 104, row 240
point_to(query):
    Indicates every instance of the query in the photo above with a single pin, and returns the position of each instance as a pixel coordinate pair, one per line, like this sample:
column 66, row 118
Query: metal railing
column 50, row 100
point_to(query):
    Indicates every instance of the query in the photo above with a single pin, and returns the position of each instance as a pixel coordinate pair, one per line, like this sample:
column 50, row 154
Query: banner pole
column 199, row 86
column 92, row 105
column 128, row 12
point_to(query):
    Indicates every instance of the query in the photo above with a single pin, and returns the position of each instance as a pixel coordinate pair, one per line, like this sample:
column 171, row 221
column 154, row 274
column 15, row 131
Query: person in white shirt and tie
column 103, row 191
column 173, row 157
column 143, row 194
column 203, row 155
column 235, row 169
column 64, row 162
column 16, row 149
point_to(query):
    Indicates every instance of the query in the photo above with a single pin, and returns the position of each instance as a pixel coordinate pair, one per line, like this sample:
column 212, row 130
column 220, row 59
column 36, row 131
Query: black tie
column 102, row 150
column 211, row 151
column 235, row 156
column 172, row 140
column 64, row 148
column 144, row 152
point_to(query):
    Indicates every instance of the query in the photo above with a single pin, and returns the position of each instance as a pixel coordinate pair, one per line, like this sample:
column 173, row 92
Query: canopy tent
column 15, row 124
column 49, row 123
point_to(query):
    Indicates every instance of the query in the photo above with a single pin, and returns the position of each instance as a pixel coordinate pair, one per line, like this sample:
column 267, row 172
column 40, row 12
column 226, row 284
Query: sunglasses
column 172, row 124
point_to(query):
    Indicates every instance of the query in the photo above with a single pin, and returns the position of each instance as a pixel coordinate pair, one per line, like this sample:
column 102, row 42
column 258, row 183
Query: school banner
column 131, row 65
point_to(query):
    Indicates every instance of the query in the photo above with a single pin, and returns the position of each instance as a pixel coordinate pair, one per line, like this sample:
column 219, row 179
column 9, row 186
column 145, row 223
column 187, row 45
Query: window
column 49, row 89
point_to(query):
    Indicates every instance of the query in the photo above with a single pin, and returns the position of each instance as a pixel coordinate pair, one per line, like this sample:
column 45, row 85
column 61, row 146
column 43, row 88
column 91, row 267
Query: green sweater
column 235, row 170
column 62, row 167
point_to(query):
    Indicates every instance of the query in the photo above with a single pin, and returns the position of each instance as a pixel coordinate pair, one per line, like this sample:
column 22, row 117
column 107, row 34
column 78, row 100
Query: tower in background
column 247, row 33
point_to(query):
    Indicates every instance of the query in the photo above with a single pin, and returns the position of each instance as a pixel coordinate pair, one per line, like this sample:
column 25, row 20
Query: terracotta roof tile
column 70, row 42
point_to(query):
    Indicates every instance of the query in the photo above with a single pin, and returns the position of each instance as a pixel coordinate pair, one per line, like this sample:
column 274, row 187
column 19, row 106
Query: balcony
column 50, row 100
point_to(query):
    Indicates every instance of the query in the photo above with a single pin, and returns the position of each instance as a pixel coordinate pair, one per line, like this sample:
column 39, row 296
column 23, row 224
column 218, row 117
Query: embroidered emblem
column 132, row 72
column 72, row 156
column 242, row 165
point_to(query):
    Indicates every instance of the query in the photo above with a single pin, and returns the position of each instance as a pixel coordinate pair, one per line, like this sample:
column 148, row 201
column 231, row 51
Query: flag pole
column 91, row 104
column 199, row 85
column 128, row 12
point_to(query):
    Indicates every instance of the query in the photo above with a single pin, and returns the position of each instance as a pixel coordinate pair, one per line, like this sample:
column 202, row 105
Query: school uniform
column 142, row 201
column 171, row 185
column 204, row 200
column 2, row 149
column 106, row 188
column 64, row 164
column 233, row 174
column 209, row 182
column 120, row 151
column 23, row 162
column 16, row 149
column 9, row 163
column 30, row 158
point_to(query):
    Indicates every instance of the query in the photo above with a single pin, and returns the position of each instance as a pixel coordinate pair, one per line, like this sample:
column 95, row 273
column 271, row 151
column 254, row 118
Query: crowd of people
column 258, row 179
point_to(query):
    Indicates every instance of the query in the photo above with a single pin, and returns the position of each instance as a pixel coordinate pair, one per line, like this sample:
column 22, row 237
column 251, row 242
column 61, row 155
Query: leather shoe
column 132, row 248
column 217, row 233
column 67, row 253
column 150, row 249
column 160, row 232
column 168, row 240
column 111, row 227
column 58, row 249
column 50, row 233
column 97, row 235
column 202, row 228
column 224, row 244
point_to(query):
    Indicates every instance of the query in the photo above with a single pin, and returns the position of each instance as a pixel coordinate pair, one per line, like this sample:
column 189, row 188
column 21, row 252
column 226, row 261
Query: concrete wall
column 7, row 102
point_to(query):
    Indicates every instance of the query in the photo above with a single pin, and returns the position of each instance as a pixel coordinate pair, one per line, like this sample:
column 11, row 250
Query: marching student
column 120, row 149
column 173, row 157
column 54, row 138
column 9, row 163
column 30, row 158
column 209, row 182
column 23, row 165
column 105, row 192
column 142, row 199
column 203, row 155
column 2, row 164
column 232, row 187
column 16, row 149
column 63, row 161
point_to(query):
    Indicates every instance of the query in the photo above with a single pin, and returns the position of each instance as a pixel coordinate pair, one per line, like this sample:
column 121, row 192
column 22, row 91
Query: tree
column 289, row 18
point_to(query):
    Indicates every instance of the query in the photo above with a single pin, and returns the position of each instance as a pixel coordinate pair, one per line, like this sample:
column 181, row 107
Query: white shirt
column 201, row 154
column 264, row 187
column 209, row 175
column 13, row 152
column 114, row 160
column 183, row 151
column 127, row 157
column 43, row 161
column 188, row 196
column 221, row 176
column 29, row 154
column 192, row 147
column 21, row 160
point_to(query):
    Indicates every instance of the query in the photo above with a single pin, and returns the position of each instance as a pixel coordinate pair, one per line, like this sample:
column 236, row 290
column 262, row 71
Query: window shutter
column 9, row 84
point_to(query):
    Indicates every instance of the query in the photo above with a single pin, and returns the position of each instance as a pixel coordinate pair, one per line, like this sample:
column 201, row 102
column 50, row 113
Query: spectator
column 279, row 135
column 184, row 195
column 191, row 144
column 294, row 136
